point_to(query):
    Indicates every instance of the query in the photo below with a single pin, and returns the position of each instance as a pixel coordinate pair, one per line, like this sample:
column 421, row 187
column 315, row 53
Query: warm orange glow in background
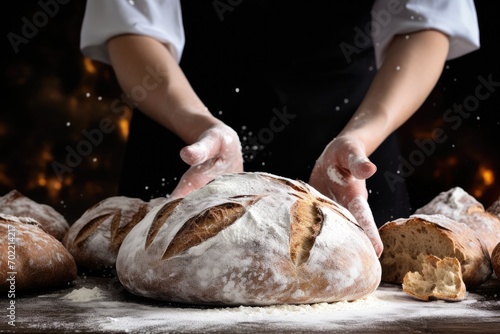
column 52, row 93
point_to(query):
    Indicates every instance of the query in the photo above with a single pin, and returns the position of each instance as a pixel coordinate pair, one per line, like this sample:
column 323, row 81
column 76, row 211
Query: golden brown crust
column 251, row 239
column 38, row 259
column 16, row 204
column 160, row 219
column 307, row 220
column 94, row 239
column 458, row 205
column 408, row 241
column 204, row 226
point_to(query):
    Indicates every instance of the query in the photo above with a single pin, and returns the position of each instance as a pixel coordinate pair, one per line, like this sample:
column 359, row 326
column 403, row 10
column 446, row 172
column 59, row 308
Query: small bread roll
column 440, row 279
column 32, row 258
column 249, row 239
column 16, row 204
column 495, row 260
column 94, row 239
column 458, row 205
column 408, row 241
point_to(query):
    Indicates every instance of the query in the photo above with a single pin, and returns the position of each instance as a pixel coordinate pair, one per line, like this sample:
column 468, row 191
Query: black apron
column 275, row 72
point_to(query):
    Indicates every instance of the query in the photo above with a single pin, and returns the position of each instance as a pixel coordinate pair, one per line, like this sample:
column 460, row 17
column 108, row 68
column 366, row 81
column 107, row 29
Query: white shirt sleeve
column 455, row 18
column 103, row 19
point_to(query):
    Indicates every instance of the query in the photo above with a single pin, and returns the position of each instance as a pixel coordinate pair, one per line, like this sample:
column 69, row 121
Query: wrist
column 188, row 123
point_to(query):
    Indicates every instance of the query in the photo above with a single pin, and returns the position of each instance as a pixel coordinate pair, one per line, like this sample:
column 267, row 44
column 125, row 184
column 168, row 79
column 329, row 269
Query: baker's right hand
column 216, row 152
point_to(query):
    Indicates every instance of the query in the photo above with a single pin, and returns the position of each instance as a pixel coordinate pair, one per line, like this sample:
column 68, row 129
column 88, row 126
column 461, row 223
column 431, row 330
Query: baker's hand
column 340, row 174
column 217, row 152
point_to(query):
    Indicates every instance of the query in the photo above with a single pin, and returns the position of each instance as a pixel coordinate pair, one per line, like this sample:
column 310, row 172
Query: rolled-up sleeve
column 455, row 18
column 103, row 19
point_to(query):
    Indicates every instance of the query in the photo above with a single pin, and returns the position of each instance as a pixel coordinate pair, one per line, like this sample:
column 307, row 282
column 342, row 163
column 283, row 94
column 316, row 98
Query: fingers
column 191, row 180
column 360, row 167
column 352, row 156
column 204, row 149
column 213, row 142
column 359, row 208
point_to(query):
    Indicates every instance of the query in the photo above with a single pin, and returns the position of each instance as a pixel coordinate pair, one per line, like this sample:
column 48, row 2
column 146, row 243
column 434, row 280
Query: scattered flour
column 380, row 309
column 84, row 295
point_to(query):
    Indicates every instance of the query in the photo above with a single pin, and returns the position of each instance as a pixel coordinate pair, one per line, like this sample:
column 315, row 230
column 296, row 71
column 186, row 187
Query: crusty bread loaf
column 458, row 205
column 495, row 208
column 94, row 239
column 249, row 239
column 16, row 204
column 439, row 279
column 31, row 258
column 495, row 260
column 407, row 241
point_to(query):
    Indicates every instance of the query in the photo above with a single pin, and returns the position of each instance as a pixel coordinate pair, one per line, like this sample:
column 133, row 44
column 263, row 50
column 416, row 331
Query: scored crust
column 16, row 204
column 458, row 205
column 407, row 241
column 249, row 239
column 94, row 239
column 38, row 259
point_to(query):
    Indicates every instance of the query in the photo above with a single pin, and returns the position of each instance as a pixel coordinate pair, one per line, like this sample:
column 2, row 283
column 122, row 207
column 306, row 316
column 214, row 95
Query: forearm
column 166, row 96
column 409, row 72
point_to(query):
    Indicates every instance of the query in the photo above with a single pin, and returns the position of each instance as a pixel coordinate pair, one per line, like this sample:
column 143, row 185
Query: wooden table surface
column 388, row 310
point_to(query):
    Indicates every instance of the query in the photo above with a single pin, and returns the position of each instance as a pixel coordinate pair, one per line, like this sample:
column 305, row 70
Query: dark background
column 51, row 93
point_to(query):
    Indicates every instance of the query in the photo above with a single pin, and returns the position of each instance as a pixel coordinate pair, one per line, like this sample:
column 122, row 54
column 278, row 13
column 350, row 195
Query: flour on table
column 84, row 295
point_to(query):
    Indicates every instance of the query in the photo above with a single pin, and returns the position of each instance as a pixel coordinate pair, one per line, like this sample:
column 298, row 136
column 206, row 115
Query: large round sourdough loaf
column 408, row 241
column 249, row 239
column 16, row 204
column 94, row 239
column 32, row 258
column 458, row 205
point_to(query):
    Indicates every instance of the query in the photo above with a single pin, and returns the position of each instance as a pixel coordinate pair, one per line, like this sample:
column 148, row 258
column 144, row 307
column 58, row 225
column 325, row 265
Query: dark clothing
column 273, row 71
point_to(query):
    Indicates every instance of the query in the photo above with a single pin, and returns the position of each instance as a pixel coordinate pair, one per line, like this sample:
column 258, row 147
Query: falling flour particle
column 84, row 295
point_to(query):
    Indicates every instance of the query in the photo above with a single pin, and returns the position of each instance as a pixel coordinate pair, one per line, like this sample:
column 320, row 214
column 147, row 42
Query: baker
column 305, row 91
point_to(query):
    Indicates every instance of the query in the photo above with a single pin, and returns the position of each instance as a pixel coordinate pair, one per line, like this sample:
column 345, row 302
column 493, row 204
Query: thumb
column 360, row 166
column 204, row 149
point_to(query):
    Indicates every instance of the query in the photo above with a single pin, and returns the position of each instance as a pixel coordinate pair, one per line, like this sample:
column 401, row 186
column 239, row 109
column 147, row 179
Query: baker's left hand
column 340, row 173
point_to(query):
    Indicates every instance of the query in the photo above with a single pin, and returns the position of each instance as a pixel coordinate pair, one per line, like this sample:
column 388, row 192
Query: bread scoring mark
column 336, row 207
column 204, row 226
column 14, row 194
column 306, row 223
column 90, row 227
column 119, row 233
column 159, row 220
column 294, row 186
column 115, row 224
column 301, row 189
